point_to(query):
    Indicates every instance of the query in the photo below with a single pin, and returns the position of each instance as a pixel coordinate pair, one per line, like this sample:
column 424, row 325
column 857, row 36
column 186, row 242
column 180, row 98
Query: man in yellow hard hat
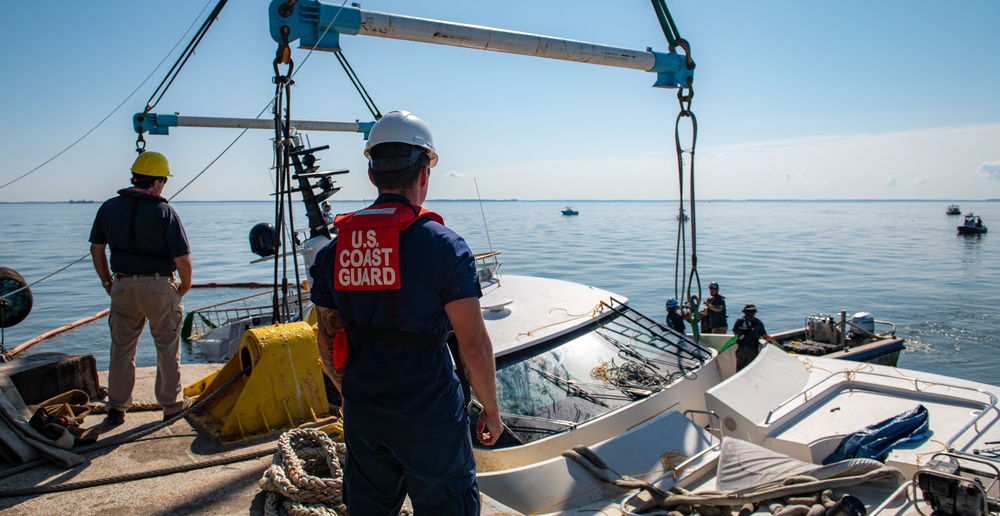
column 148, row 244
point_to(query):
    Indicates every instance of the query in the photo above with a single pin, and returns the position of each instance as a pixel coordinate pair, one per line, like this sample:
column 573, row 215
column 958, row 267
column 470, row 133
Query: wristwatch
column 106, row 283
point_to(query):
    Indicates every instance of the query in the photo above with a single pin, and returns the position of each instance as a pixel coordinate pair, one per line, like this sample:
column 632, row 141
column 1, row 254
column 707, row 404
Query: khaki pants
column 718, row 329
column 135, row 300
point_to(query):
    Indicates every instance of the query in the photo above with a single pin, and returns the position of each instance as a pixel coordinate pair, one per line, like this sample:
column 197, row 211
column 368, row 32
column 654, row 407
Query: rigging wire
column 157, row 67
column 282, row 159
column 369, row 102
column 115, row 110
column 684, row 282
column 666, row 23
column 202, row 31
column 692, row 278
column 167, row 81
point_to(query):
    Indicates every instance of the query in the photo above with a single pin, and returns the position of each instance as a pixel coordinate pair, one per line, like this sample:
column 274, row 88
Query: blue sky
column 794, row 100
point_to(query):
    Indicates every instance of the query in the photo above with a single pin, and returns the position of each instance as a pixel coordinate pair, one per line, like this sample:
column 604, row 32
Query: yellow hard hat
column 151, row 163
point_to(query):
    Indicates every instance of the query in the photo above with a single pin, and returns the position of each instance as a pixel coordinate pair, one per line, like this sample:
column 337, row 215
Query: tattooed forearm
column 329, row 319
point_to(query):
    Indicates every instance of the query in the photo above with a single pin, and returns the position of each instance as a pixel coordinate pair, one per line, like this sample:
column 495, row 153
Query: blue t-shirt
column 394, row 391
column 159, row 235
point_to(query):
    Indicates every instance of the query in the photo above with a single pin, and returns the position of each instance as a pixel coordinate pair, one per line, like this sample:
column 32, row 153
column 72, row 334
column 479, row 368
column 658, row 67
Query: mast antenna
column 483, row 212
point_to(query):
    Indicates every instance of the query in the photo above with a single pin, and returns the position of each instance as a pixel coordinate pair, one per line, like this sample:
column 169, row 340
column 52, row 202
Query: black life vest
column 133, row 247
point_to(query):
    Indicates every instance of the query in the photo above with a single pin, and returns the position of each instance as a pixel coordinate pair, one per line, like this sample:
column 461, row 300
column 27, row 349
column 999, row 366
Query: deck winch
column 953, row 487
column 822, row 328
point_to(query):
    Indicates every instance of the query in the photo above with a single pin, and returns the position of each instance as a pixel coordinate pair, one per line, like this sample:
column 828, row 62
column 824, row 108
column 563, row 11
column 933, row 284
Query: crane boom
column 316, row 24
column 160, row 123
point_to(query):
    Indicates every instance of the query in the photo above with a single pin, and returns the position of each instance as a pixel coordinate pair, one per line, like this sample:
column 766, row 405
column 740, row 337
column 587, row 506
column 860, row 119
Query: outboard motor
column 263, row 239
column 862, row 326
column 15, row 298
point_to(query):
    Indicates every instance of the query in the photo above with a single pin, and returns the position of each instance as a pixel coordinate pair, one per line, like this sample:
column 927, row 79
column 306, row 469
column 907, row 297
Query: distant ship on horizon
column 79, row 200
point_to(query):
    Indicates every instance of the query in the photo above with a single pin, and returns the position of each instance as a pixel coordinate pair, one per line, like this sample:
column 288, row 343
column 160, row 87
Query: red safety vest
column 368, row 245
column 368, row 253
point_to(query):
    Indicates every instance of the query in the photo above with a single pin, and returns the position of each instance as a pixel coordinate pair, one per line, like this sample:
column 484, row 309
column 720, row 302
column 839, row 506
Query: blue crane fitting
column 671, row 70
column 153, row 123
column 314, row 24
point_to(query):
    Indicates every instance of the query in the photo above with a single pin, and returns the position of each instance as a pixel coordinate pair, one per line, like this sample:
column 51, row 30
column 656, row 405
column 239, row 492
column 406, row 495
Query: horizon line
column 86, row 201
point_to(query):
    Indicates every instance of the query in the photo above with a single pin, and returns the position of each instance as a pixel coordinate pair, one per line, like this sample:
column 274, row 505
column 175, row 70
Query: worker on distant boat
column 715, row 311
column 400, row 282
column 749, row 330
column 148, row 244
column 675, row 317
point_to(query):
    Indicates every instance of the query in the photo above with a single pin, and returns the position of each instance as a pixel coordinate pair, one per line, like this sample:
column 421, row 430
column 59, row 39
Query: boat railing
column 487, row 266
column 904, row 487
column 852, row 375
column 712, row 416
column 684, row 344
column 204, row 319
column 891, row 332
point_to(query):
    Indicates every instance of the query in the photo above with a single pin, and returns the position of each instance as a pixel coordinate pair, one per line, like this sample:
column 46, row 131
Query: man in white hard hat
column 148, row 244
column 400, row 283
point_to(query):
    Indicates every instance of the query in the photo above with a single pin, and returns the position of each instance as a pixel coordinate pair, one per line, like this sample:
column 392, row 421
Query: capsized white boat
column 605, row 410
column 799, row 409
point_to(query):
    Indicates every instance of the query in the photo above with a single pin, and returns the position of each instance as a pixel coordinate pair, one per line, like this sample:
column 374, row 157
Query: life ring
column 17, row 305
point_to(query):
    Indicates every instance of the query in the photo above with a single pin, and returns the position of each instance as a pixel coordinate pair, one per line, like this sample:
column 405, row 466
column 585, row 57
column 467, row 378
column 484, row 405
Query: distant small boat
column 953, row 210
column 683, row 217
column 570, row 211
column 973, row 226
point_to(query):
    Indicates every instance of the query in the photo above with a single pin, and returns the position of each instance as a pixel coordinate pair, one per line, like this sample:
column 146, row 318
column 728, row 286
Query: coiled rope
column 306, row 476
column 632, row 375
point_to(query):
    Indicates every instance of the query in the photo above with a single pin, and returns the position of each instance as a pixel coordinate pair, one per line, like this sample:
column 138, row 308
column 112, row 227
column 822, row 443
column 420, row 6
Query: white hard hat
column 402, row 127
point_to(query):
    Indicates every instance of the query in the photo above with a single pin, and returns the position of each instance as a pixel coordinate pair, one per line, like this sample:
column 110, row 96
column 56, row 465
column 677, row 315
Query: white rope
column 306, row 476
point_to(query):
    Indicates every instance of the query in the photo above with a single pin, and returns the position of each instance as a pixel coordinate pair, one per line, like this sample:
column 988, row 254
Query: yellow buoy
column 284, row 388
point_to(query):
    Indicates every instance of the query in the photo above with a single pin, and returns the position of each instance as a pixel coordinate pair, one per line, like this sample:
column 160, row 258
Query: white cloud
column 988, row 170
column 455, row 174
column 858, row 166
column 794, row 177
column 854, row 166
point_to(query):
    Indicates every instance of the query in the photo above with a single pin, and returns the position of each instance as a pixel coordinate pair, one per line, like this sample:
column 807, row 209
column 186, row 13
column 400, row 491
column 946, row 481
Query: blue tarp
column 875, row 441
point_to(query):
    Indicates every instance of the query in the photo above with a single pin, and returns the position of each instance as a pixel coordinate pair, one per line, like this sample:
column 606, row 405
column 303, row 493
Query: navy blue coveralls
column 405, row 423
column 748, row 333
column 675, row 321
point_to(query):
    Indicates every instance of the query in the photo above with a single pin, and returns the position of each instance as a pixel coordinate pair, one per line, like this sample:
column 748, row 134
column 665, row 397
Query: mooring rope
column 306, row 476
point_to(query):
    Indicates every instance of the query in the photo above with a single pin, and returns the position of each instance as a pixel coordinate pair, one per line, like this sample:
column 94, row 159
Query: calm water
column 901, row 261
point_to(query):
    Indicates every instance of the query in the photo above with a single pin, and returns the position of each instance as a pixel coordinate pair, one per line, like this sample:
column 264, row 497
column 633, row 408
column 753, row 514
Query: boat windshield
column 556, row 387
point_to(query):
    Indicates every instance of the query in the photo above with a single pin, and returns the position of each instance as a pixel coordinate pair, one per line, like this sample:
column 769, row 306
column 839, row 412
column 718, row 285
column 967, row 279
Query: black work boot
column 115, row 417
